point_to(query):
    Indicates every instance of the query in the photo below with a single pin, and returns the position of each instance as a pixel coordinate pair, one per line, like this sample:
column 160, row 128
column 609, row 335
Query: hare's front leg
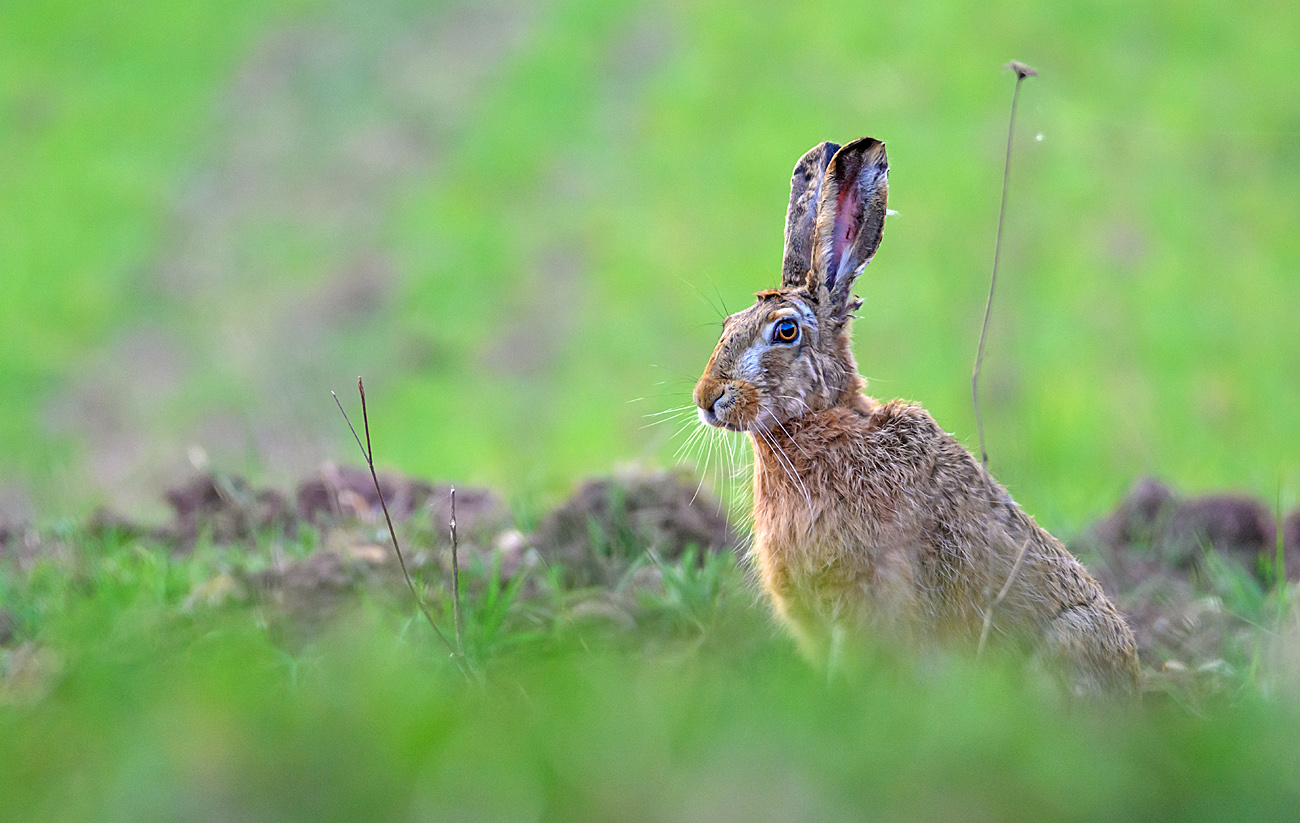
column 810, row 633
column 825, row 635
column 1091, row 649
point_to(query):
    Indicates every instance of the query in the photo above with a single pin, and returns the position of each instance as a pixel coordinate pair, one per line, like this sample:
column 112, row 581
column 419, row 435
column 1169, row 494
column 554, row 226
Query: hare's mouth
column 731, row 405
column 711, row 418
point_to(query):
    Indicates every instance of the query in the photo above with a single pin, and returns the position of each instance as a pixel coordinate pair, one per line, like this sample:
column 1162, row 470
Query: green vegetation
column 583, row 173
column 139, row 701
column 514, row 219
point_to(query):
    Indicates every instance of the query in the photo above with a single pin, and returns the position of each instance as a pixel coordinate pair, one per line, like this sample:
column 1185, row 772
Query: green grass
column 1143, row 323
column 146, row 709
column 610, row 172
column 104, row 111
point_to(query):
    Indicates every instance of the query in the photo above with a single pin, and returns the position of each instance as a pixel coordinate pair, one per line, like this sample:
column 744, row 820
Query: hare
column 868, row 517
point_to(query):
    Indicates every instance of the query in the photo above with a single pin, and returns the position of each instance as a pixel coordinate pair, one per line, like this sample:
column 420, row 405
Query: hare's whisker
column 734, row 468
column 788, row 468
column 682, row 424
column 702, row 296
column 731, row 454
column 792, row 440
column 690, row 407
column 710, row 440
column 691, row 441
column 687, row 378
column 717, row 291
column 669, row 416
column 798, row 400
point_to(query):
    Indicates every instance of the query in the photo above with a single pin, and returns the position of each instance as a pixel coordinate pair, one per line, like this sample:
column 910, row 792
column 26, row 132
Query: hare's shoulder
column 902, row 419
column 896, row 446
column 908, row 432
column 903, row 439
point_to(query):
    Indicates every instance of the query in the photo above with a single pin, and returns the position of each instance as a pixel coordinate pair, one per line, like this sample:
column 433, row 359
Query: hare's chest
column 833, row 572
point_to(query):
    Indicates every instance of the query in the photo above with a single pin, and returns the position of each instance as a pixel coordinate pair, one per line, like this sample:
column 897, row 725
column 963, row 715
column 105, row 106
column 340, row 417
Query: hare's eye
column 786, row 331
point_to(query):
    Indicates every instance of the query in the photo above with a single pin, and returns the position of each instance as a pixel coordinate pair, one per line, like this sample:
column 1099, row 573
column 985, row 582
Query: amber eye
column 786, row 331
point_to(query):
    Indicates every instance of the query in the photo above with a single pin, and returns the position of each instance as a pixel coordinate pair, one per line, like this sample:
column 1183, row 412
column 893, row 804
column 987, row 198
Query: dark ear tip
column 876, row 154
column 815, row 160
column 871, row 150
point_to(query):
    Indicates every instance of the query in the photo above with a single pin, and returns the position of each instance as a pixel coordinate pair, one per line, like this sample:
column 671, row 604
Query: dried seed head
column 1022, row 71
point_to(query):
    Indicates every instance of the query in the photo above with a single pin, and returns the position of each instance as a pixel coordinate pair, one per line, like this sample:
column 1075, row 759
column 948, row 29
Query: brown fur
column 869, row 517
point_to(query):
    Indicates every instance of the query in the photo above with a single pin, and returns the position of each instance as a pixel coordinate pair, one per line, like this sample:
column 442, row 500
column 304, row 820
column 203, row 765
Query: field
column 176, row 675
column 521, row 222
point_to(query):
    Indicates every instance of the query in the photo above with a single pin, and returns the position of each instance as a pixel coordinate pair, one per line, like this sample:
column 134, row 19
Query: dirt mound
column 12, row 531
column 1154, row 531
column 313, row 589
column 1291, row 538
column 343, row 493
column 1134, row 518
column 609, row 522
column 222, row 508
column 1166, row 559
column 481, row 515
column 343, row 505
column 227, row 508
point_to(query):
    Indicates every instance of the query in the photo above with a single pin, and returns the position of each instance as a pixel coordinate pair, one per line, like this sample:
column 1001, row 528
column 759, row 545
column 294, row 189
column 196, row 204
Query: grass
column 611, row 163
column 687, row 705
column 565, row 203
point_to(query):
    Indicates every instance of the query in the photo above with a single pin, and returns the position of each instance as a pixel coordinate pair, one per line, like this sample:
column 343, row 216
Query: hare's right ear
column 850, row 219
column 801, row 219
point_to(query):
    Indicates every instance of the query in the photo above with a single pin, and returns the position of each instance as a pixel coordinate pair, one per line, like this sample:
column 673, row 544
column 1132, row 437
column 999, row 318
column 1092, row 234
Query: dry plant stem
column 1022, row 71
column 455, row 581
column 1006, row 587
column 368, row 454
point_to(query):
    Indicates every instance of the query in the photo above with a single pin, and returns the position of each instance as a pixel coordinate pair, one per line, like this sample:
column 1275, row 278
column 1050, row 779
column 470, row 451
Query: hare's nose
column 708, row 392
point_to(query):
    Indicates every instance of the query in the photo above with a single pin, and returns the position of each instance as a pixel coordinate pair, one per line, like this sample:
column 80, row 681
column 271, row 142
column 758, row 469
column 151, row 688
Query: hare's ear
column 850, row 218
column 805, row 193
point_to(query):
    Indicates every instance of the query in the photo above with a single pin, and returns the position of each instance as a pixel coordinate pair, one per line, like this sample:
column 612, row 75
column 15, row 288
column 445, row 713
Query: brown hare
column 868, row 517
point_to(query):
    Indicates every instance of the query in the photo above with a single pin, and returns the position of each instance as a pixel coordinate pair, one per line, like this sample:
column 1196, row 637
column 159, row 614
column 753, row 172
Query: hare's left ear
column 850, row 218
column 801, row 219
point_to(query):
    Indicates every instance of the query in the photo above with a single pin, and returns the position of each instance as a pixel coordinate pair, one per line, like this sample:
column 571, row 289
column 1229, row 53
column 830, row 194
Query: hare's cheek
column 749, row 367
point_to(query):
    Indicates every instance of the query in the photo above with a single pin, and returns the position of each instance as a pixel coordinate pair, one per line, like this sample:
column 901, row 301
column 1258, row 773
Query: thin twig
column 368, row 454
column 1022, row 71
column 1006, row 587
column 455, row 581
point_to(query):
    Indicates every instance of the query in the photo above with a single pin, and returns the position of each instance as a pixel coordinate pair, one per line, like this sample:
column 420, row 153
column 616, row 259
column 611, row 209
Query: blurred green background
column 511, row 218
column 517, row 220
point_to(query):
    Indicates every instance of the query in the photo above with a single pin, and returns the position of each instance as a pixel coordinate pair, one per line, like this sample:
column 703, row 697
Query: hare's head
column 789, row 353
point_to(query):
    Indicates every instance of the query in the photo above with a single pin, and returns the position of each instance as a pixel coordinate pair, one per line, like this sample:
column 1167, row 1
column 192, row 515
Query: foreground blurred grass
column 143, row 710
column 615, row 158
